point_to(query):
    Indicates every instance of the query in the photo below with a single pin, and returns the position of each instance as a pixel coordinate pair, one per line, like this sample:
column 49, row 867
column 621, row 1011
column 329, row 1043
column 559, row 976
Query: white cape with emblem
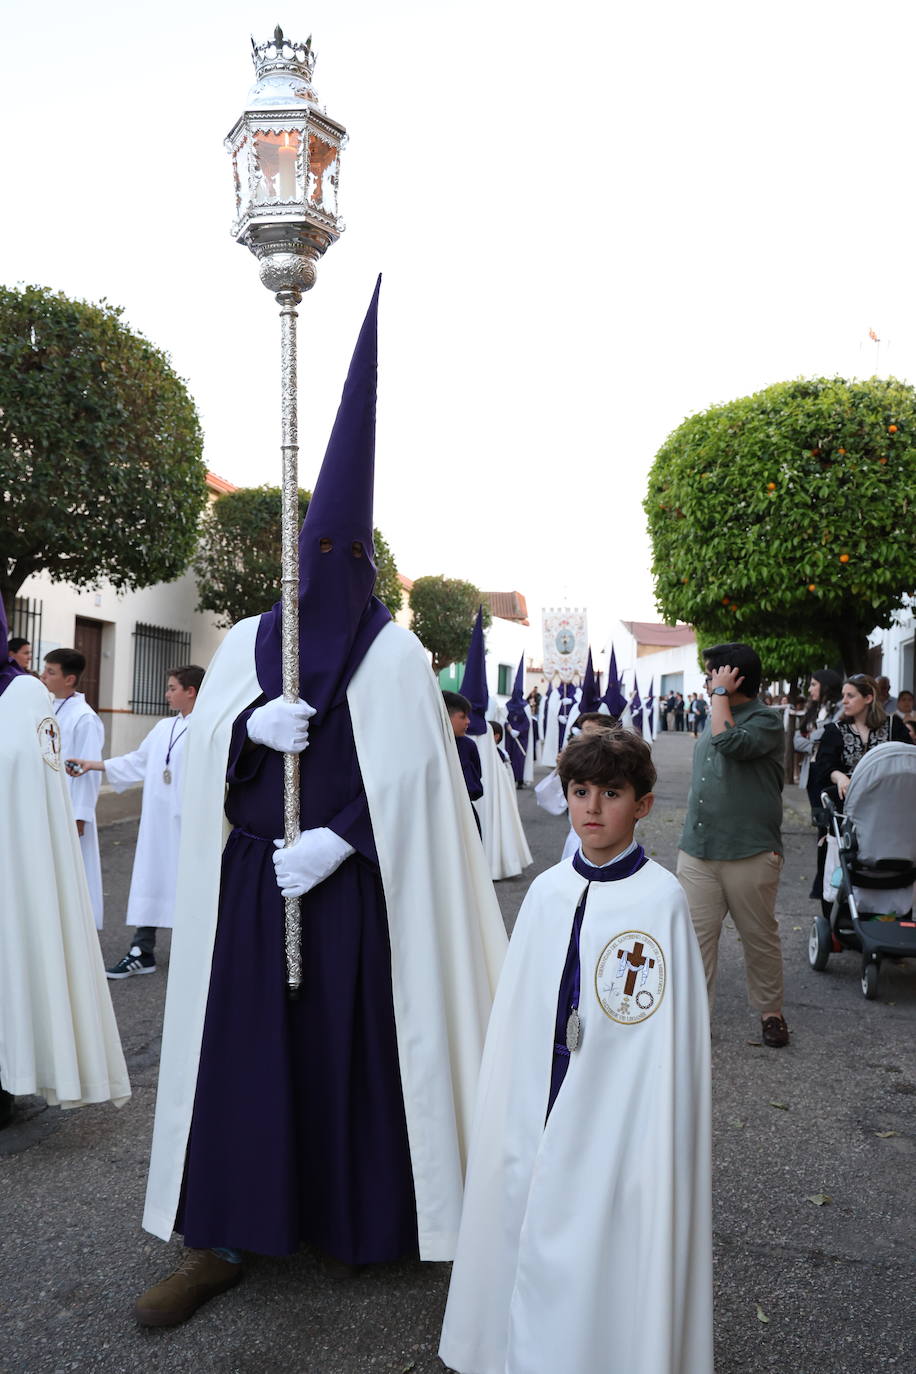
column 501, row 827
column 446, row 933
column 586, row 1244
column 58, row 1035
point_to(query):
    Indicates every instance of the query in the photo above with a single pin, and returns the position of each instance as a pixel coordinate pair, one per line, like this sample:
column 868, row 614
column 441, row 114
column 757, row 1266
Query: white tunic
column 58, row 1037
column 83, row 737
column 501, row 828
column 550, row 728
column 586, row 1243
column 446, row 932
column 152, row 884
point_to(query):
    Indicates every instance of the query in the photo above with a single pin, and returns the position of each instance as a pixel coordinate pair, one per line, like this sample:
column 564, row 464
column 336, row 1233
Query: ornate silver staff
column 285, row 160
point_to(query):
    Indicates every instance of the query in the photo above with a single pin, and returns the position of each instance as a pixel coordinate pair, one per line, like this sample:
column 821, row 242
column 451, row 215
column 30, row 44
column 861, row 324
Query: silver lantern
column 285, row 154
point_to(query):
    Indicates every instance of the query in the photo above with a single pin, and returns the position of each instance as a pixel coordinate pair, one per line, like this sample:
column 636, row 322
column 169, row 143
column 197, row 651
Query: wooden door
column 87, row 638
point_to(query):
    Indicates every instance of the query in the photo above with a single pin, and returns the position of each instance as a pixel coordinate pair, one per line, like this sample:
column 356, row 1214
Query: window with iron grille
column 26, row 623
column 156, row 651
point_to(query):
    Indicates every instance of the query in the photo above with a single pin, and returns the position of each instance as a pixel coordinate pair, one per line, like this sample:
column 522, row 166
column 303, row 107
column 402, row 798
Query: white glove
column 513, row 733
column 281, row 725
column 314, row 856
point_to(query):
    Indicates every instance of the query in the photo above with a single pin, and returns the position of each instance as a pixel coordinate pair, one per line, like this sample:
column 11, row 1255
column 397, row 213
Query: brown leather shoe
column 775, row 1032
column 199, row 1277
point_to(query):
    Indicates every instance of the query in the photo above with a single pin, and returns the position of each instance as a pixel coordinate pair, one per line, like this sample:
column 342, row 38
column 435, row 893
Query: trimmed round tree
column 783, row 518
column 238, row 562
column 443, row 616
column 100, row 448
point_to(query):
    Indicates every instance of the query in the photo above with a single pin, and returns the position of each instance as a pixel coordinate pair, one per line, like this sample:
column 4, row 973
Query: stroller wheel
column 869, row 979
column 819, row 944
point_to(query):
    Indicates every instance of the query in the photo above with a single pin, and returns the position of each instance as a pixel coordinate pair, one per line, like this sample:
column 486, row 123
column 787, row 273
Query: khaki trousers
column 746, row 889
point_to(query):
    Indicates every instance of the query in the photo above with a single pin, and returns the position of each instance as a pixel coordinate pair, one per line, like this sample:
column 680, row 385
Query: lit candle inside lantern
column 287, row 172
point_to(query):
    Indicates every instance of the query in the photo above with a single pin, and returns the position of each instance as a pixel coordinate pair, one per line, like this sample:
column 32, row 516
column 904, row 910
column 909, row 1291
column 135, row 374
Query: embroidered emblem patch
column 630, row 977
column 49, row 742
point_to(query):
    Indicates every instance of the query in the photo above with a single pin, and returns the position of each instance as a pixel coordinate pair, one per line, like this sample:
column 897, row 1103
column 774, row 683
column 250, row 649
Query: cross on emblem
column 51, row 732
column 634, row 961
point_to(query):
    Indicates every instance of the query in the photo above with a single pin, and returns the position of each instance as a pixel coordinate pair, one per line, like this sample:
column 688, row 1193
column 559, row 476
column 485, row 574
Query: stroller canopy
column 881, row 803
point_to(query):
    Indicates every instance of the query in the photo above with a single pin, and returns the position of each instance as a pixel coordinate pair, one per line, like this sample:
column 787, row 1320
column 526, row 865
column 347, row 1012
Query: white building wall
column 897, row 648
column 170, row 605
column 506, row 642
column 651, row 668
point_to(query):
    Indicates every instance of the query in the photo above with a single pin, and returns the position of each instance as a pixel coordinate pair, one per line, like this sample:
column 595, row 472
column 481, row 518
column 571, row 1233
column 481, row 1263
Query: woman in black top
column 862, row 726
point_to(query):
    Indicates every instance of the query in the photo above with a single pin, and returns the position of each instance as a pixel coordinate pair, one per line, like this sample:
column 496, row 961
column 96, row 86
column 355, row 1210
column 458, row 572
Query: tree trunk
column 852, row 642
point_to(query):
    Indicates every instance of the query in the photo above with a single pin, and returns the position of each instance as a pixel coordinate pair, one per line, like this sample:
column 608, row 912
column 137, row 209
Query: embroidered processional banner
column 565, row 642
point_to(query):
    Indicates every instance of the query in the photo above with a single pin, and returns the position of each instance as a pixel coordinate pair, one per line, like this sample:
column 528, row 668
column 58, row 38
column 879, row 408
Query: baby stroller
column 876, row 834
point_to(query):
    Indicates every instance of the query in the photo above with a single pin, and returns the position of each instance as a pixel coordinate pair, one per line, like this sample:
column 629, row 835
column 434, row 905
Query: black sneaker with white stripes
column 133, row 962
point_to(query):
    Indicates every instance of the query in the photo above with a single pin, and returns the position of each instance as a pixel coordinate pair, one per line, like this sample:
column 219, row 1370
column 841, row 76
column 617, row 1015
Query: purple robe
column 289, row 1093
column 469, row 758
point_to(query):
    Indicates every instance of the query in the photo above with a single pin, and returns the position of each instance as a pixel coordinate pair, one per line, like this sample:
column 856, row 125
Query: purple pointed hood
column 636, row 708
column 589, row 699
column 8, row 669
column 338, row 615
column 474, row 683
column 650, row 705
column 516, row 712
column 613, row 698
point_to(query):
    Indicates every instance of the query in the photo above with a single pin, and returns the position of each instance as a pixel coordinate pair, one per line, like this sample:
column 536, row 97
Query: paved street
column 800, row 1288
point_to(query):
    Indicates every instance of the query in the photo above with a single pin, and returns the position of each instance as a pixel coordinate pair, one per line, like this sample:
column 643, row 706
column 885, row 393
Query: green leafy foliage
column 238, row 562
column 443, row 610
column 101, row 472
column 784, row 519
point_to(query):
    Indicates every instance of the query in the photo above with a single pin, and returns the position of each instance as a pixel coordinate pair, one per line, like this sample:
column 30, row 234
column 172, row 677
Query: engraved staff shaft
column 288, row 300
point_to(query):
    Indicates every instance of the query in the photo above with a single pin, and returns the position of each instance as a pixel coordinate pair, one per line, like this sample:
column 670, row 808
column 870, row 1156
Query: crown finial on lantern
column 280, row 54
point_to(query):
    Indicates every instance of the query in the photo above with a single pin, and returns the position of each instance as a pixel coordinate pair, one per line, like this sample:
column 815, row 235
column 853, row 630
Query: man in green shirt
column 730, row 856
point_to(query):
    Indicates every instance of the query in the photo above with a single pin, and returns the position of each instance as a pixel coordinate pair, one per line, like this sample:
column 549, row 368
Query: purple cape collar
column 621, row 868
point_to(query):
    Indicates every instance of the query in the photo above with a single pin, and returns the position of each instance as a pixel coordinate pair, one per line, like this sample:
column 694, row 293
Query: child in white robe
column 585, row 1240
column 158, row 763
column 82, row 732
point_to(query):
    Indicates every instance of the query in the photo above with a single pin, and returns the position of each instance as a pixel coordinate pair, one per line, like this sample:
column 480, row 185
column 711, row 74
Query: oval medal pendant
column 573, row 1030
column 166, row 775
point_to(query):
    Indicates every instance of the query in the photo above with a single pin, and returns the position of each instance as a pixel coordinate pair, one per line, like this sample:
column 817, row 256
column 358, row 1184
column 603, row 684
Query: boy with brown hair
column 585, row 1240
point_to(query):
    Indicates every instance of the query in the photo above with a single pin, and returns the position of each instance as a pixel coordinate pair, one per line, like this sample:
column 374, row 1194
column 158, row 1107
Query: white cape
column 586, row 1244
column 83, row 737
column 501, row 828
column 550, row 727
column 152, row 882
column 58, row 1036
column 446, row 932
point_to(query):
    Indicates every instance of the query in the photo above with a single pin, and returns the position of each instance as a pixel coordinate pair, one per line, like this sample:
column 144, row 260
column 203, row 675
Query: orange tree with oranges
column 784, row 519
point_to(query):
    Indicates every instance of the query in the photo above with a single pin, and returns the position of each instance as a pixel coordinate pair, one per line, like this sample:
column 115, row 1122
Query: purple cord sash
column 571, row 981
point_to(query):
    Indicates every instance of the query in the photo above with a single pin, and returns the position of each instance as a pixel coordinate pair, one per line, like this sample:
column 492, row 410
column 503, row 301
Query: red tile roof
column 507, row 605
column 667, row 636
column 219, row 484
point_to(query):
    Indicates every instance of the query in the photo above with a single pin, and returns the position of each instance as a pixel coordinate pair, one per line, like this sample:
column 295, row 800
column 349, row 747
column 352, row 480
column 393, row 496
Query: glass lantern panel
column 275, row 166
column 323, row 170
column 240, row 171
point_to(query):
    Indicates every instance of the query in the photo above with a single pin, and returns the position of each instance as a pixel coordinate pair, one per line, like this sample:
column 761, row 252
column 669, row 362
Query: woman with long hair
column 862, row 725
column 822, row 709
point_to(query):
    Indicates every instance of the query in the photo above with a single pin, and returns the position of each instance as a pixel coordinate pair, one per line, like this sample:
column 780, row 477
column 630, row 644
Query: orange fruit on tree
column 892, row 429
column 811, row 586
column 725, row 601
column 841, row 451
column 771, row 486
column 844, row 557
column 883, row 462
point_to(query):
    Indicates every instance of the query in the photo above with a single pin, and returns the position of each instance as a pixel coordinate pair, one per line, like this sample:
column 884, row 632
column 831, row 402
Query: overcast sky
column 592, row 219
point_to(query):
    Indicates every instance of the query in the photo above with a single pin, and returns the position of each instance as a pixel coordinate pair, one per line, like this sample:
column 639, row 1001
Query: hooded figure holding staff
column 365, row 1082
